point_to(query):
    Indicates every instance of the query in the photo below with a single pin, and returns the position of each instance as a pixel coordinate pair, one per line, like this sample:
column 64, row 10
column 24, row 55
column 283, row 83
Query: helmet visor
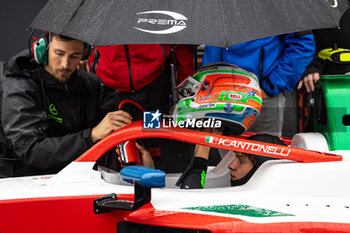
column 188, row 87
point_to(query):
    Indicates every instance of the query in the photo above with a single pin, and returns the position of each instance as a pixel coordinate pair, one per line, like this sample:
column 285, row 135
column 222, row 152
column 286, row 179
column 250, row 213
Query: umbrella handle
column 174, row 96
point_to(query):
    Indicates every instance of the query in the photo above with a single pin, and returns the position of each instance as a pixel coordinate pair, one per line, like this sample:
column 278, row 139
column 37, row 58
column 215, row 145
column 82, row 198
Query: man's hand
column 203, row 151
column 145, row 157
column 308, row 81
column 84, row 65
column 264, row 94
column 112, row 121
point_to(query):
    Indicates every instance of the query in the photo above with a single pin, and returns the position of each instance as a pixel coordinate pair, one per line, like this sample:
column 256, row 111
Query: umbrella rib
column 223, row 31
column 107, row 4
column 71, row 18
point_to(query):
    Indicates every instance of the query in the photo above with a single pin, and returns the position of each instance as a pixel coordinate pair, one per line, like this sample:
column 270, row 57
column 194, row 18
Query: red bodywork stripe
column 135, row 131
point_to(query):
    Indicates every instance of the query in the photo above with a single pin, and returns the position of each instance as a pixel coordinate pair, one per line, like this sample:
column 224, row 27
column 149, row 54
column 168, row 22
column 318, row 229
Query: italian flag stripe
column 209, row 139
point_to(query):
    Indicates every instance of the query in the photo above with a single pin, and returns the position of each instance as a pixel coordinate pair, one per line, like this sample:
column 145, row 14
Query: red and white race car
column 306, row 191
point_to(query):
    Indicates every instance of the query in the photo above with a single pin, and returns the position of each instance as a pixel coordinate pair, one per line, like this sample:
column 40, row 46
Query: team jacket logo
column 54, row 114
column 176, row 23
column 53, row 109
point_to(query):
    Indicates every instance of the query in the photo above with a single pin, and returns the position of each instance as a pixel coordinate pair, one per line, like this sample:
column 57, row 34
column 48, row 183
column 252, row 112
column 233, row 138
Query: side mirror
column 143, row 178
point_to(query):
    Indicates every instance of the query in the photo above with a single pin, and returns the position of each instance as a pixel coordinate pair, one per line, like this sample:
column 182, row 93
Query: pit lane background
column 15, row 16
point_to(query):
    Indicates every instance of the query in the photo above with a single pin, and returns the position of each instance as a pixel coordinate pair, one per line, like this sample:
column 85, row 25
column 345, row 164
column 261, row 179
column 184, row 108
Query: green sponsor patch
column 244, row 210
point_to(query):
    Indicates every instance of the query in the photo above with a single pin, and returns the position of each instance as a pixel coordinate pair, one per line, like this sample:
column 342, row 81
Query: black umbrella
column 212, row 22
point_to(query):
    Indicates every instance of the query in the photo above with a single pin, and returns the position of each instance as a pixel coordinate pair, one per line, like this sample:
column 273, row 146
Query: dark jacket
column 49, row 123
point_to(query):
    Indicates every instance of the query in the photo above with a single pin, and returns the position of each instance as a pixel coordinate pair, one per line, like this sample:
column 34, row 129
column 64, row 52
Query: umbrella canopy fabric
column 220, row 23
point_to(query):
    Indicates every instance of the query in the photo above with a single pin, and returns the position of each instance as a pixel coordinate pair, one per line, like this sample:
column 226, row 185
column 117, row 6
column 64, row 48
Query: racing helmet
column 222, row 92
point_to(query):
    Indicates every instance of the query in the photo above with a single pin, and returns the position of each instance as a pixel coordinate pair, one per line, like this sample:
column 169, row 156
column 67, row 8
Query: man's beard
column 63, row 77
